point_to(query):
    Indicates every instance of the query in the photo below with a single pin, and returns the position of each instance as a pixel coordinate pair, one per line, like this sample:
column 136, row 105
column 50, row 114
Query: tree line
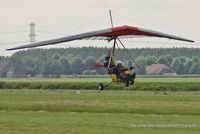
column 66, row 61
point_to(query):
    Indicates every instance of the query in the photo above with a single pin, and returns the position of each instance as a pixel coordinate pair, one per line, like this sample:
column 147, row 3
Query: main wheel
column 101, row 86
column 126, row 81
column 132, row 78
column 127, row 84
column 131, row 82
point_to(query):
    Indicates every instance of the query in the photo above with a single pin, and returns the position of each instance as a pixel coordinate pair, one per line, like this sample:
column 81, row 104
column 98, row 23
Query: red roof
column 157, row 68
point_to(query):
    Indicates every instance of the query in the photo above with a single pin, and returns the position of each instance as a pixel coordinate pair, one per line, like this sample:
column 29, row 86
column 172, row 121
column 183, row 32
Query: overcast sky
column 177, row 17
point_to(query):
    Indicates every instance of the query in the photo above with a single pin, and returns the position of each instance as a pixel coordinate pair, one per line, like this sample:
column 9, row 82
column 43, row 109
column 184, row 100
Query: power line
column 10, row 43
column 14, row 32
column 48, row 32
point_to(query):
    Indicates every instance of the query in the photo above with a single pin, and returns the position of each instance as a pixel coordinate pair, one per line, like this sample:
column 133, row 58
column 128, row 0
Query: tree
column 151, row 60
column 56, row 56
column 163, row 60
column 187, row 66
column 194, row 69
column 56, row 68
column 90, row 61
column 77, row 65
column 177, row 66
column 24, row 64
column 70, row 58
column 142, row 65
column 52, row 68
column 169, row 59
column 195, row 59
column 33, row 61
column 46, row 70
column 66, row 65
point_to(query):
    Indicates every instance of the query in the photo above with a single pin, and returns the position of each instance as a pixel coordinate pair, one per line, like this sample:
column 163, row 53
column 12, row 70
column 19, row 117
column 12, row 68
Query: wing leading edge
column 105, row 34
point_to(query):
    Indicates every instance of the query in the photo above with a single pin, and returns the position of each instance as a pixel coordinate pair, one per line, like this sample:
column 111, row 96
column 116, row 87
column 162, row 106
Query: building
column 5, row 68
column 159, row 69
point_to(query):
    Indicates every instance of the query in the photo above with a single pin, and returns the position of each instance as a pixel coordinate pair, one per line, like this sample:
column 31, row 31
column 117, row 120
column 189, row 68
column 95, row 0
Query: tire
column 131, row 82
column 101, row 86
column 132, row 78
column 127, row 83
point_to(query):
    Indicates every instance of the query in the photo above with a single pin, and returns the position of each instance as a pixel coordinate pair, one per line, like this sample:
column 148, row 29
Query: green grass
column 139, row 79
column 141, row 84
column 94, row 112
column 56, row 79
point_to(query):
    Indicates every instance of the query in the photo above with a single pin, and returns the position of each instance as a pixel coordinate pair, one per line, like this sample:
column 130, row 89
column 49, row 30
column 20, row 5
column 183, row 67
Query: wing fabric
column 105, row 34
column 63, row 39
column 128, row 31
column 163, row 35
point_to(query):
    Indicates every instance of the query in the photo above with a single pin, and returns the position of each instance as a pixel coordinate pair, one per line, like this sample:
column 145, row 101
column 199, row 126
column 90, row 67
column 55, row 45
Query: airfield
column 125, row 110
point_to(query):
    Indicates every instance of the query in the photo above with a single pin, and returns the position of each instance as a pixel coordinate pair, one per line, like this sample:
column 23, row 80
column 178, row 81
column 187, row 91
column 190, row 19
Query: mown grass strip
column 139, row 86
column 130, row 102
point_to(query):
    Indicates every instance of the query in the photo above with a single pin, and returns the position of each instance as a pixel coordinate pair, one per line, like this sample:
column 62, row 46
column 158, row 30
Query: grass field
column 141, row 84
column 143, row 79
column 93, row 112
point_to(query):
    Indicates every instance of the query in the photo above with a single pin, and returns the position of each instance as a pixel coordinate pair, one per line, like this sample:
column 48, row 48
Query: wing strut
column 128, row 53
column 112, row 54
column 111, row 58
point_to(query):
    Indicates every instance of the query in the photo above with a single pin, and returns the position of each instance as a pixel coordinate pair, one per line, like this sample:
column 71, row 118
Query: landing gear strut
column 101, row 86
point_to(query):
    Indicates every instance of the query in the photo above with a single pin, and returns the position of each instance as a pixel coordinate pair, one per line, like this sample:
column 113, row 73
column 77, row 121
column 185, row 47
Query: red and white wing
column 105, row 34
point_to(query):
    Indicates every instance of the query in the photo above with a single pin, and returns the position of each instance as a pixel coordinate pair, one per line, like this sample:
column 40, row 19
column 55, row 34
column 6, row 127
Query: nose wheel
column 101, row 86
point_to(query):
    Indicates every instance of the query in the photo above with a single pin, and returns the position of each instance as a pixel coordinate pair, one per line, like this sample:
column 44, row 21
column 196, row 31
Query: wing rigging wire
column 124, row 57
column 128, row 53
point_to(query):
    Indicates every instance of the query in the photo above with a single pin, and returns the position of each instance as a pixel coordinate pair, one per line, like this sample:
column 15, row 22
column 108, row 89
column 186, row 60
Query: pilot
column 107, row 58
column 122, row 72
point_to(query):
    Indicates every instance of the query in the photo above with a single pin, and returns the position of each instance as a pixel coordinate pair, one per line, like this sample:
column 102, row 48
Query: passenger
column 119, row 71
column 107, row 58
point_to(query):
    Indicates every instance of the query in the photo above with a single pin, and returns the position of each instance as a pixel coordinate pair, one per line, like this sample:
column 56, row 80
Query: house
column 5, row 68
column 159, row 69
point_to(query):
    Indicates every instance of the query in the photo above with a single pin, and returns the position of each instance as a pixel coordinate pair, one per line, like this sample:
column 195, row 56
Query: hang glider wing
column 105, row 34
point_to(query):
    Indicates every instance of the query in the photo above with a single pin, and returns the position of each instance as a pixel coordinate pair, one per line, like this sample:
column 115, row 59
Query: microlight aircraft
column 118, row 72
